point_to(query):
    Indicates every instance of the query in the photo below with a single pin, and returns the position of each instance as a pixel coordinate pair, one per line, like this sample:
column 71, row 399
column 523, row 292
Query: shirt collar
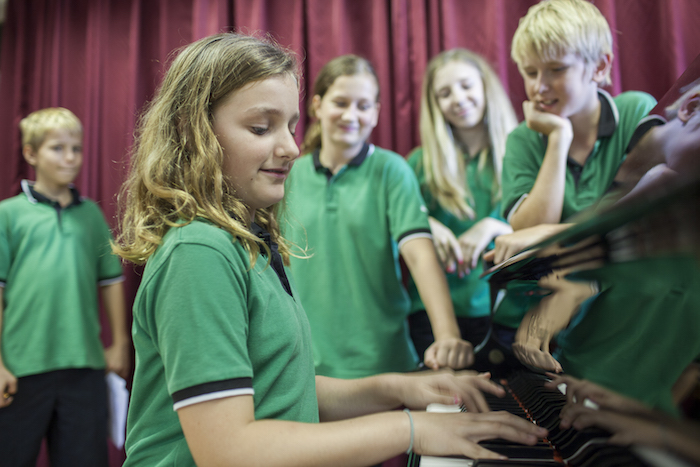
column 275, row 257
column 356, row 161
column 609, row 115
column 36, row 197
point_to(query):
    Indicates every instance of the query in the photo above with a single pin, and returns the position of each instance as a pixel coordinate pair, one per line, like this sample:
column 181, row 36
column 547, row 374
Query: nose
column 458, row 95
column 540, row 83
column 72, row 155
column 287, row 148
column 350, row 112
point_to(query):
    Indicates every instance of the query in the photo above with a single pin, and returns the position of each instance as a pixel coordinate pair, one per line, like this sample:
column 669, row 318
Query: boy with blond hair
column 565, row 155
column 54, row 253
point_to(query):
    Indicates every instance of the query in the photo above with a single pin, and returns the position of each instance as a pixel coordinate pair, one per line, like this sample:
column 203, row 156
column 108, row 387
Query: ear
column 689, row 107
column 602, row 68
column 29, row 154
column 315, row 105
column 375, row 120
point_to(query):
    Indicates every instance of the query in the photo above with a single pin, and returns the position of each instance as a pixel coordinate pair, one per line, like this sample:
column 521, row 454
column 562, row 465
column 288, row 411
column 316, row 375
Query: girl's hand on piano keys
column 443, row 434
column 446, row 387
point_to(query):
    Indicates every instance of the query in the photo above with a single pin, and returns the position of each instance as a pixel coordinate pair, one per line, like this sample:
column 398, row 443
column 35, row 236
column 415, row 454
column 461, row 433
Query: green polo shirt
column 584, row 185
column 208, row 326
column 353, row 223
column 470, row 295
column 52, row 261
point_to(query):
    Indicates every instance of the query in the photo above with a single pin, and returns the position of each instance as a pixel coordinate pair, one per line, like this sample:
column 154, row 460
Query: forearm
column 545, row 201
column 340, row 399
column 115, row 308
column 421, row 260
column 219, row 438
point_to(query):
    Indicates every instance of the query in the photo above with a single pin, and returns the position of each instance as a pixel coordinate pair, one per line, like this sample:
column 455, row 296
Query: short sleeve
column 201, row 336
column 521, row 164
column 109, row 269
column 408, row 215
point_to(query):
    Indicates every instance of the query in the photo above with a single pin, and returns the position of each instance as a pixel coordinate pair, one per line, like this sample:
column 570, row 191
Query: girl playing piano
column 224, row 373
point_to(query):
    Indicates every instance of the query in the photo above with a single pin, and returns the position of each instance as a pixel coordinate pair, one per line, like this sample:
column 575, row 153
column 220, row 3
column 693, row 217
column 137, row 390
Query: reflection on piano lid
column 527, row 397
column 667, row 224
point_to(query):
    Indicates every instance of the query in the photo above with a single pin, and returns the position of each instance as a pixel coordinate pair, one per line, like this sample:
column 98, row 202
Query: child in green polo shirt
column 354, row 208
column 54, row 256
column 465, row 119
column 637, row 327
column 224, row 367
column 565, row 155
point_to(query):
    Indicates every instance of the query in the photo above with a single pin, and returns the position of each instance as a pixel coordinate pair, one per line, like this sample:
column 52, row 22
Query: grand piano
column 665, row 224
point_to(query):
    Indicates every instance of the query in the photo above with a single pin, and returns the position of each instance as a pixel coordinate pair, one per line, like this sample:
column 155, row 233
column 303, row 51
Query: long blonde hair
column 176, row 167
column 443, row 159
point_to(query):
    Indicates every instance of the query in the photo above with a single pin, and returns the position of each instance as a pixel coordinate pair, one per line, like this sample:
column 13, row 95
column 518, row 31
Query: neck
column 59, row 193
column 473, row 139
column 585, row 123
column 334, row 158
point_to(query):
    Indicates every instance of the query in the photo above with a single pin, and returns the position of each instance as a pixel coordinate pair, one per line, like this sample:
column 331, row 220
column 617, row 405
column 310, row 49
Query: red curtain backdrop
column 104, row 58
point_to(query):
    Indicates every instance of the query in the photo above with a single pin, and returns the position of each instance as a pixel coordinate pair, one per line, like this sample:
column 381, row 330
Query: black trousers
column 69, row 408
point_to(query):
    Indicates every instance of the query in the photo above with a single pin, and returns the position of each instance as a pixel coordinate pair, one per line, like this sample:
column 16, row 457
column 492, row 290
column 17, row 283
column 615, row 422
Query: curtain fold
column 104, row 59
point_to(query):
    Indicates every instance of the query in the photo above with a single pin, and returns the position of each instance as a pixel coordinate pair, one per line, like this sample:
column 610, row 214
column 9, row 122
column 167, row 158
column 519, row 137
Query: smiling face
column 348, row 111
column 459, row 92
column 255, row 127
column 564, row 86
column 57, row 161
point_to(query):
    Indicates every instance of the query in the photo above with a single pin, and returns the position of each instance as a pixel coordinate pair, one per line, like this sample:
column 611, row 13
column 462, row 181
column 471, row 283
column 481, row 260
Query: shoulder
column 387, row 158
column 303, row 161
column 634, row 102
column 10, row 203
column 196, row 237
column 522, row 132
column 520, row 138
column 89, row 206
column 415, row 156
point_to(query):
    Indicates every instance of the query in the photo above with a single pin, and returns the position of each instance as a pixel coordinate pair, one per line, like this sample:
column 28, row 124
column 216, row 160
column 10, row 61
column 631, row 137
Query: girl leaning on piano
column 224, row 370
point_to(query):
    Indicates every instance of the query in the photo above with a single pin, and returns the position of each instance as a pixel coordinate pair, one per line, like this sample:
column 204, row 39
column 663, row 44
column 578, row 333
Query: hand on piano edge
column 418, row 390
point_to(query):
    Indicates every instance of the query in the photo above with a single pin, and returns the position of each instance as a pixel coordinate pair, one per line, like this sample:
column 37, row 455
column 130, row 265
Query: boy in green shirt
column 565, row 155
column 54, row 253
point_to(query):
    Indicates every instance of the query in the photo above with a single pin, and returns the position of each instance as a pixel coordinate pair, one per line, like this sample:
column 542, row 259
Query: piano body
column 668, row 224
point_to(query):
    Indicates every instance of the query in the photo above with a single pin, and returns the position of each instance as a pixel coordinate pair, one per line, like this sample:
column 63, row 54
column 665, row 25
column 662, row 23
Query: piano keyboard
column 527, row 397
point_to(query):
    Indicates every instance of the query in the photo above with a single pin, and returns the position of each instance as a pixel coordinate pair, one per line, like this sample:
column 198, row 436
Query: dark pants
column 69, row 408
column 473, row 330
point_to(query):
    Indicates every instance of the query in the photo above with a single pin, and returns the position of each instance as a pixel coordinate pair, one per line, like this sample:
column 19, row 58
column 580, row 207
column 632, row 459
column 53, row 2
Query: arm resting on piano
column 449, row 349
